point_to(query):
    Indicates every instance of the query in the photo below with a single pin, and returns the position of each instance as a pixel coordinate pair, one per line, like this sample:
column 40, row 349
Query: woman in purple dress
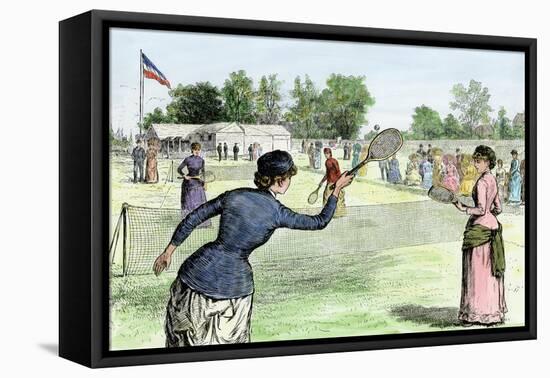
column 483, row 264
column 192, row 187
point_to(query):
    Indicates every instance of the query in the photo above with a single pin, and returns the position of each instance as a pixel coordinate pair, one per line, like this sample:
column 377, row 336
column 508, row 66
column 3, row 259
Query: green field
column 345, row 293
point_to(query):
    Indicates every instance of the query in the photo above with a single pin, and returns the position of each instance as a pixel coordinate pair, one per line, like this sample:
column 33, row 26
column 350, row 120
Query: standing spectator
column 384, row 166
column 219, row 148
column 514, row 186
column 427, row 169
column 501, row 179
column 236, row 152
column 430, row 154
column 363, row 170
column 458, row 160
column 250, row 152
column 420, row 151
column 151, row 170
column 438, row 168
column 317, row 160
column 260, row 151
column 138, row 155
column 225, row 150
column 394, row 174
column 412, row 177
column 421, row 165
column 311, row 155
column 450, row 173
column 356, row 152
column 304, row 146
column 469, row 176
column 346, row 151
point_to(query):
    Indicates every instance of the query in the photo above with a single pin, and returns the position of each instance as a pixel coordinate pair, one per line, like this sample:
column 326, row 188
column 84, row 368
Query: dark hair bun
column 486, row 153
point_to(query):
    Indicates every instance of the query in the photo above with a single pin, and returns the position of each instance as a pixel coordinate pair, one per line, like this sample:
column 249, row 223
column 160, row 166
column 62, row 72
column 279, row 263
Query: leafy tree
column 345, row 103
column 451, row 127
column 199, row 103
column 472, row 103
column 268, row 97
column 157, row 116
column 426, row 123
column 304, row 113
column 503, row 125
column 518, row 126
column 238, row 96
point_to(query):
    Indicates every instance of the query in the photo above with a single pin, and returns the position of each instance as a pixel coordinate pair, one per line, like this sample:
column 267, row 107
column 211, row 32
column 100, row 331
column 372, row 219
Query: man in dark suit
column 384, row 166
column 219, row 148
column 225, row 150
column 215, row 283
column 236, row 152
column 138, row 155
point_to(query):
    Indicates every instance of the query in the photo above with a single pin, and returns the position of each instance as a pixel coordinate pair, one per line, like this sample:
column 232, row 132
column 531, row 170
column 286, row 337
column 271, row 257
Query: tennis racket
column 384, row 145
column 207, row 177
column 314, row 195
column 442, row 194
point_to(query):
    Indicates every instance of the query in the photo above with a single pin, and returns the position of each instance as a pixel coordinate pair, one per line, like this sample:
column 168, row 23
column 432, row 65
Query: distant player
column 192, row 187
column 331, row 177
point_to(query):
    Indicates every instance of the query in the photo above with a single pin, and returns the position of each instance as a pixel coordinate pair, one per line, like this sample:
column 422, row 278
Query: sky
column 399, row 77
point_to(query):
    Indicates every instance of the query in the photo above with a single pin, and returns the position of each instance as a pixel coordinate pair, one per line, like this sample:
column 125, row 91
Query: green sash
column 476, row 235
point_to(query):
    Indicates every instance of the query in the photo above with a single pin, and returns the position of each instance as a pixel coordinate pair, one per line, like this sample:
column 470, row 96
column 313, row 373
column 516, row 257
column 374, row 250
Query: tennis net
column 147, row 231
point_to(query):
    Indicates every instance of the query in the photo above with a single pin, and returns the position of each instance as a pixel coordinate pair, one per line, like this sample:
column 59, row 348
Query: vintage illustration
column 270, row 189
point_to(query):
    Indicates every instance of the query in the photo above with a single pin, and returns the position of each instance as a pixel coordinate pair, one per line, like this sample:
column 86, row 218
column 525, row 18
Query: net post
column 124, row 214
column 114, row 242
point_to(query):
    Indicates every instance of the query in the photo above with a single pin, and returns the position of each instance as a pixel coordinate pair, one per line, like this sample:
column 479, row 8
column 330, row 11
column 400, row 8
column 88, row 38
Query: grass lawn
column 411, row 289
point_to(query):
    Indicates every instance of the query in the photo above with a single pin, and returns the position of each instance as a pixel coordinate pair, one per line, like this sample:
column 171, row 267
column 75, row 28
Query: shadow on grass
column 441, row 317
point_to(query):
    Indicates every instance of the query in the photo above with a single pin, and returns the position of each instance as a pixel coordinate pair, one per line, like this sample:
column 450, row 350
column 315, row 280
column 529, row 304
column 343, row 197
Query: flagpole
column 140, row 91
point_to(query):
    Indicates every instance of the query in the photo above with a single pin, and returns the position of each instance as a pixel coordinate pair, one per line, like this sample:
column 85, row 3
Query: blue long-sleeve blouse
column 220, row 269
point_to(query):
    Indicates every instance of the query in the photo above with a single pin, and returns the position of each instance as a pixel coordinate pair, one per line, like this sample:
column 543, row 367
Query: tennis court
column 384, row 268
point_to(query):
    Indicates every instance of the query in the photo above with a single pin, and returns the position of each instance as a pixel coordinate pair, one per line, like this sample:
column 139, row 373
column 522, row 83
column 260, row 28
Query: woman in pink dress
column 482, row 300
column 450, row 175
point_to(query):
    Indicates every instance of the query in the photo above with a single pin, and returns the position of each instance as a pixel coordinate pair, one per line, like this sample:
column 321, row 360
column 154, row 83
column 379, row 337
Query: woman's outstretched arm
column 290, row 219
column 183, row 230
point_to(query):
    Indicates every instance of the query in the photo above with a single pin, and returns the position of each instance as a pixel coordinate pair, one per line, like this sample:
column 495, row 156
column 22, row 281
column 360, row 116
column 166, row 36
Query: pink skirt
column 482, row 299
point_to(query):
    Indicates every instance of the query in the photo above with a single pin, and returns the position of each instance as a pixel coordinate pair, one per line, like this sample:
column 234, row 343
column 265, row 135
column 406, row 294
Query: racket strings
column 441, row 194
column 386, row 144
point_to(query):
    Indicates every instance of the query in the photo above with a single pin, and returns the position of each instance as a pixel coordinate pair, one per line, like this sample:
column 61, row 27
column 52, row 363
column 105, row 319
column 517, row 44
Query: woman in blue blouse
column 211, row 299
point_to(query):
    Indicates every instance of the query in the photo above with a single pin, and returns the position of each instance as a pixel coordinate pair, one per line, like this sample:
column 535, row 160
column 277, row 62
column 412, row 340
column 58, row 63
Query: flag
column 150, row 71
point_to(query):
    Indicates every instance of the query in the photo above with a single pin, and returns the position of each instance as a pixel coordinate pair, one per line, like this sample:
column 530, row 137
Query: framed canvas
column 236, row 188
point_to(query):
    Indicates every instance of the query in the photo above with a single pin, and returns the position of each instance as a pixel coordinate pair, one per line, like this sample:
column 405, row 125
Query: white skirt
column 195, row 319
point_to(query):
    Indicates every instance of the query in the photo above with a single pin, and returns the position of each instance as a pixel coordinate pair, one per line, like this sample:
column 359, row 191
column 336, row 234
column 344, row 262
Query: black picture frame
column 84, row 186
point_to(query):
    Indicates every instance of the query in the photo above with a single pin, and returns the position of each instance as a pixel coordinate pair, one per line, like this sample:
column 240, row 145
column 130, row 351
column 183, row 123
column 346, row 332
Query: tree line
column 473, row 120
column 339, row 110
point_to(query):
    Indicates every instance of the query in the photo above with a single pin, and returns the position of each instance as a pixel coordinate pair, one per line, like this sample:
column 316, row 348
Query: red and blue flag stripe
column 150, row 71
